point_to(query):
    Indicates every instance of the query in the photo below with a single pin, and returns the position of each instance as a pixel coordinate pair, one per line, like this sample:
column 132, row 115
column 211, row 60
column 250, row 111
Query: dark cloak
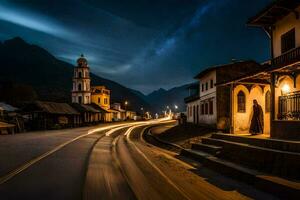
column 257, row 121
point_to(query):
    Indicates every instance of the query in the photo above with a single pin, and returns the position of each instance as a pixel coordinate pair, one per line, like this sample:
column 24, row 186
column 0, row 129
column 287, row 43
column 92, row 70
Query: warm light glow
column 285, row 89
column 126, row 102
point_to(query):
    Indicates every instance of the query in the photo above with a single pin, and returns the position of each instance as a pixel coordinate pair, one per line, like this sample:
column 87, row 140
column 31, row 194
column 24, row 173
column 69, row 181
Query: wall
column 190, row 114
column 241, row 121
column 286, row 24
column 206, row 95
column 100, row 94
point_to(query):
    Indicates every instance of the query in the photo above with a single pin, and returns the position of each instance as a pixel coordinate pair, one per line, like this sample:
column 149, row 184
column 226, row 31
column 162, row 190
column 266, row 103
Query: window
column 202, row 87
column 79, row 74
column 202, row 109
column 268, row 101
column 211, row 107
column 105, row 100
column 288, row 41
column 206, row 108
column 99, row 100
column 211, row 83
column 241, row 102
column 79, row 87
column 80, row 99
column 206, row 86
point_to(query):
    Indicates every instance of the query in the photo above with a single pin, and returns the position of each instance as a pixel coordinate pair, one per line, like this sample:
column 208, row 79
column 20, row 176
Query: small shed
column 51, row 115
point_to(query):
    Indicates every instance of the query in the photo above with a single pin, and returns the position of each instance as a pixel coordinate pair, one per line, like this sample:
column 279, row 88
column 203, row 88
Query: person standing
column 257, row 121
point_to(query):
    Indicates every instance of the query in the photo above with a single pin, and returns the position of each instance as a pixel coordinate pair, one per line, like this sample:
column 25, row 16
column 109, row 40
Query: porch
column 277, row 90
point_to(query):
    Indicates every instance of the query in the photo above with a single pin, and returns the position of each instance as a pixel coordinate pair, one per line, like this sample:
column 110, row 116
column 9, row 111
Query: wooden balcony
column 287, row 58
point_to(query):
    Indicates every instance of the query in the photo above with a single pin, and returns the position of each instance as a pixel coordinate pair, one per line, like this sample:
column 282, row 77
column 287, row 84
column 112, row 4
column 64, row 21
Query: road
column 110, row 161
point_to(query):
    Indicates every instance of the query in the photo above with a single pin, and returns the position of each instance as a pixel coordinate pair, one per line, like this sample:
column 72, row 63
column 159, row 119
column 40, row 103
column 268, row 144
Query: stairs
column 271, row 165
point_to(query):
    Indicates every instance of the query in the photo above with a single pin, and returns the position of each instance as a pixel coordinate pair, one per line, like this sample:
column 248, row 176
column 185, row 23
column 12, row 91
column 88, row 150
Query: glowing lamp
column 285, row 89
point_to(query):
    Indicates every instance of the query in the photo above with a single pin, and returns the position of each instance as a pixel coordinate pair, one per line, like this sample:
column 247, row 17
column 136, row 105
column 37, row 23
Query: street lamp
column 126, row 103
column 176, row 107
column 142, row 109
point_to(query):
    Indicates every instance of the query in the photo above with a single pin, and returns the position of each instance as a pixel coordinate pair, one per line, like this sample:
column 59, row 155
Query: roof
column 274, row 12
column 193, row 86
column 95, row 106
column 236, row 64
column 56, row 108
column 263, row 70
column 84, row 108
column 7, row 107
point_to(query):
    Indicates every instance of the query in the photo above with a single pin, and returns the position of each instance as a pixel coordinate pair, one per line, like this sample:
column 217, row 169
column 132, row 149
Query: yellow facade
column 101, row 96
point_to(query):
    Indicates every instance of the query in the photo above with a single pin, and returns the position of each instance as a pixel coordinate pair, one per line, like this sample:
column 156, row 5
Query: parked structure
column 276, row 88
column 120, row 115
column 81, row 92
column 50, row 115
column 210, row 104
column 88, row 113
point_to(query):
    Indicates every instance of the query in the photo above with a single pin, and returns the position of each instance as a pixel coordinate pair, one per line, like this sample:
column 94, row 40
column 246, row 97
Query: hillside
column 161, row 98
column 31, row 65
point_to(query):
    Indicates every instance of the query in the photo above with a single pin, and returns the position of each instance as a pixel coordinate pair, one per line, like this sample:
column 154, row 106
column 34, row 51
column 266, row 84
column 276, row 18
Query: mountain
column 162, row 98
column 51, row 79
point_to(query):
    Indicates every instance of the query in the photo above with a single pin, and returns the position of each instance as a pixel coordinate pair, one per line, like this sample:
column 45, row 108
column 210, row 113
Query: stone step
column 280, row 187
column 280, row 163
column 282, row 145
column 211, row 149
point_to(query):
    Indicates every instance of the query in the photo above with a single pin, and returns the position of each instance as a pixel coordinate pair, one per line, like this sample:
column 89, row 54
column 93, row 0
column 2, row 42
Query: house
column 88, row 114
column 50, row 115
column 191, row 103
column 100, row 96
column 120, row 115
column 276, row 88
column 7, row 110
column 209, row 104
column 10, row 114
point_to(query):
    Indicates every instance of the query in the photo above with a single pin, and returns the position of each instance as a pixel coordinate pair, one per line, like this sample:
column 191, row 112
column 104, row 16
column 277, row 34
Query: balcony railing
column 287, row 58
column 289, row 106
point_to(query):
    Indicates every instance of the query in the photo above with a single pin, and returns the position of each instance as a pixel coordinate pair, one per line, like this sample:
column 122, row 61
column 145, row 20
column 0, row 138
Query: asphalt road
column 105, row 162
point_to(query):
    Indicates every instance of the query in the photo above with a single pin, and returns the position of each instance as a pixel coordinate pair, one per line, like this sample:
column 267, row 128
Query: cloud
column 33, row 21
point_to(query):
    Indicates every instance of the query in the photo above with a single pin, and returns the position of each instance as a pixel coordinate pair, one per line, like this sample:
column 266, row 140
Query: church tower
column 81, row 92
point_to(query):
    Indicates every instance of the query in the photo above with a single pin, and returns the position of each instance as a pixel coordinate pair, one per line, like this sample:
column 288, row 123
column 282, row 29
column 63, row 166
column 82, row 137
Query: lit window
column 241, row 102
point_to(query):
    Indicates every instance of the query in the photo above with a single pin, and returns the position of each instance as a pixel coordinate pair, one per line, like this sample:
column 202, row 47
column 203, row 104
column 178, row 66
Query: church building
column 81, row 92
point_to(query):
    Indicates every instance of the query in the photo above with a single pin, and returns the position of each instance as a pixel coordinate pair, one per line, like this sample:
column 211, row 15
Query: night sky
column 142, row 44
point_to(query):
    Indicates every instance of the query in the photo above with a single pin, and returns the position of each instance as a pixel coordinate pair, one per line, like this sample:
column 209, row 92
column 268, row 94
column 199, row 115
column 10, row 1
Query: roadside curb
column 177, row 147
